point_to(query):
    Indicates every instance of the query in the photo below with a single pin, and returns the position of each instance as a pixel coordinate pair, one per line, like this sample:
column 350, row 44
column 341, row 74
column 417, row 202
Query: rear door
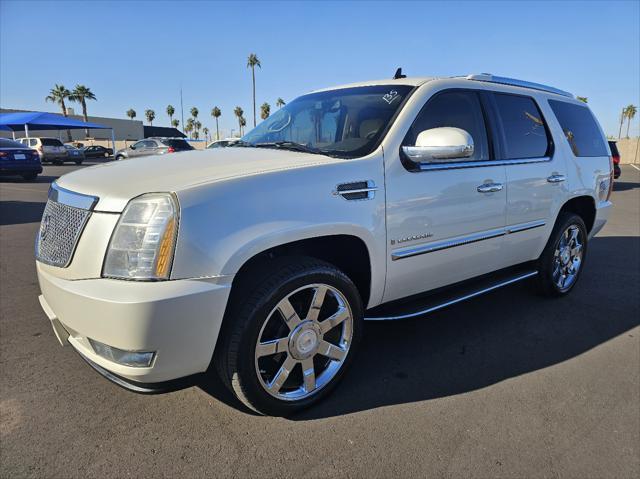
column 445, row 220
column 535, row 170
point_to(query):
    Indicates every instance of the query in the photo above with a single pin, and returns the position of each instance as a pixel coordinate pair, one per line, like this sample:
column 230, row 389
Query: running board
column 429, row 304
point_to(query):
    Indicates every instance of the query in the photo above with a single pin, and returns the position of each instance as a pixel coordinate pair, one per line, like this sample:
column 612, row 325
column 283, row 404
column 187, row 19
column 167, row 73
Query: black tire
column 57, row 162
column 29, row 176
column 119, row 157
column 78, row 162
column 546, row 263
column 234, row 357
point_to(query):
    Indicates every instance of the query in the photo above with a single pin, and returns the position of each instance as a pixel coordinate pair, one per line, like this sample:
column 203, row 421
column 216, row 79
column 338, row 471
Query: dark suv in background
column 615, row 156
column 153, row 146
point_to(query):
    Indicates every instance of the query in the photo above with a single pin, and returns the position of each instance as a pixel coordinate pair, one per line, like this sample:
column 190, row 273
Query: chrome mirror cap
column 440, row 144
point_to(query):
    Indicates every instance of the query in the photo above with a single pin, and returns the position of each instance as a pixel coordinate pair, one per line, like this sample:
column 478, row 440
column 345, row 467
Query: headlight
column 144, row 239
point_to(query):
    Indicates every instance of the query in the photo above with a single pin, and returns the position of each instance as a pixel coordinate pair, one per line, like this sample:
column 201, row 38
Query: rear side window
column 522, row 127
column 177, row 144
column 454, row 108
column 51, row 142
column 580, row 128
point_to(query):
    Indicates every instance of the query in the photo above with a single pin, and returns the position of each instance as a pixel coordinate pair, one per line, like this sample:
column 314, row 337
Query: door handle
column 556, row 179
column 489, row 187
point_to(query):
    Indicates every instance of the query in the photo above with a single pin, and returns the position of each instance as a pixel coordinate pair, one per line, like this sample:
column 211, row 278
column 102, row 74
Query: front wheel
column 78, row 162
column 562, row 260
column 292, row 338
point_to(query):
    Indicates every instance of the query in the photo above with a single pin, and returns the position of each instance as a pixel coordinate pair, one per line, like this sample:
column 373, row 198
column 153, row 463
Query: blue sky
column 138, row 54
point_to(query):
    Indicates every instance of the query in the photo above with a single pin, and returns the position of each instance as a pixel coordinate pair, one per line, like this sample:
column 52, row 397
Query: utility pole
column 181, row 108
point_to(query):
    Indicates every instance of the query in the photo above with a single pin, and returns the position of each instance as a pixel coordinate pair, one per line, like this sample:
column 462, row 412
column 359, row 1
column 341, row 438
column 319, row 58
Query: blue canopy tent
column 38, row 120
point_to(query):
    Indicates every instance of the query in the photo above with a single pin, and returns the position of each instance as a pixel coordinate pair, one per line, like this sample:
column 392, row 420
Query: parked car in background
column 18, row 160
column 75, row 154
column 154, row 146
column 50, row 149
column 223, row 143
column 383, row 200
column 615, row 156
column 97, row 151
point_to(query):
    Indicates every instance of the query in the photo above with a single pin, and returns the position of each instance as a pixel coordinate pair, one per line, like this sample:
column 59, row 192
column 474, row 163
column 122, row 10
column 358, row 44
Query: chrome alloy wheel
column 304, row 342
column 567, row 258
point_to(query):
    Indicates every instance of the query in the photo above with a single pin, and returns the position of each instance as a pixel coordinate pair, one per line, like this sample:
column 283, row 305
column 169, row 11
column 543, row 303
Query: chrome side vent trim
column 356, row 190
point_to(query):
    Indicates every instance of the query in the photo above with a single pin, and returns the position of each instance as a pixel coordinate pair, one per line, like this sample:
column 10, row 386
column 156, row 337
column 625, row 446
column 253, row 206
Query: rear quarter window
column 580, row 129
column 51, row 142
column 522, row 127
column 177, row 144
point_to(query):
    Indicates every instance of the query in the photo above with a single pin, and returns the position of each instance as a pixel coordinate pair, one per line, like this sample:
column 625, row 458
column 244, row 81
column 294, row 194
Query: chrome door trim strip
column 456, row 165
column 473, row 238
column 525, row 226
column 440, row 245
column 71, row 198
column 456, row 300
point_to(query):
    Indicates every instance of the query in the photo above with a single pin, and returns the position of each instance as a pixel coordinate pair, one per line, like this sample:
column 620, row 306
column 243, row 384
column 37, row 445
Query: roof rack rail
column 488, row 77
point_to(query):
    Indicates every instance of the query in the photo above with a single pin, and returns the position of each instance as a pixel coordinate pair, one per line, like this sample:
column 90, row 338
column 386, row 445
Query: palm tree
column 81, row 94
column 237, row 111
column 205, row 132
column 280, row 103
column 253, row 62
column 196, row 135
column 194, row 112
column 188, row 128
column 265, row 111
column 631, row 113
column 623, row 115
column 175, row 123
column 197, row 125
column 215, row 112
column 170, row 111
column 242, row 123
column 57, row 95
column 151, row 115
column 131, row 113
column 583, row 99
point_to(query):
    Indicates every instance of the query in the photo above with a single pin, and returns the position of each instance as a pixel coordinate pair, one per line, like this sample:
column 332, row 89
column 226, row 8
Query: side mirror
column 132, row 147
column 440, row 145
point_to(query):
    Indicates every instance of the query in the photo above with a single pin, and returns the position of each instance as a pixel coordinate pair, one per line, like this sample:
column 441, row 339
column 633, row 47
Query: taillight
column 171, row 150
column 3, row 154
column 616, row 159
column 610, row 178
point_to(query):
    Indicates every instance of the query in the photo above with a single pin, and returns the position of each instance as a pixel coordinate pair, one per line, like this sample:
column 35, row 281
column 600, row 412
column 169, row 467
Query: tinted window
column 139, row 144
column 177, row 144
column 523, row 129
column 33, row 142
column 4, row 143
column 51, row 142
column 150, row 144
column 580, row 129
column 459, row 109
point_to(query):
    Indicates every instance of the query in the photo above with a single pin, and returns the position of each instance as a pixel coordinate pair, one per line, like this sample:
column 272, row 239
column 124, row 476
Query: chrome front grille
column 59, row 233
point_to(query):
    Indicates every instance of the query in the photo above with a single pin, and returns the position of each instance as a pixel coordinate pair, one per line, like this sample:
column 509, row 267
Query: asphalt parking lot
column 506, row 385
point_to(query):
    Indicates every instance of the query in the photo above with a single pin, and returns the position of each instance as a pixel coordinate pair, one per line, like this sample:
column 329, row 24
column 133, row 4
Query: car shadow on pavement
column 487, row 340
column 625, row 185
column 20, row 212
column 39, row 179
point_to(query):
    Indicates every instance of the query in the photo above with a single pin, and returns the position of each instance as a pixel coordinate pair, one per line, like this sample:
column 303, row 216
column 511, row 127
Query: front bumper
column 603, row 211
column 179, row 320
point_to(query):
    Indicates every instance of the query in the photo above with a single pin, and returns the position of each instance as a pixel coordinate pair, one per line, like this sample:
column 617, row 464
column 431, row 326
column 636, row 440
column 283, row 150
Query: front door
column 445, row 221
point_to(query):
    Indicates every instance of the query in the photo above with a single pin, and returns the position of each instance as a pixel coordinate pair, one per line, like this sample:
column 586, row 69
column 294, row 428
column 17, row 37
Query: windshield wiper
column 290, row 145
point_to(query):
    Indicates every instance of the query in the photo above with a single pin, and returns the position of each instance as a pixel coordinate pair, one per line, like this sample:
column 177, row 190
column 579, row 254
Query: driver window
column 459, row 109
column 138, row 145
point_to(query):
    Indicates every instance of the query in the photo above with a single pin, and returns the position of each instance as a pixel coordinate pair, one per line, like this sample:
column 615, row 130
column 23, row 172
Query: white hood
column 115, row 183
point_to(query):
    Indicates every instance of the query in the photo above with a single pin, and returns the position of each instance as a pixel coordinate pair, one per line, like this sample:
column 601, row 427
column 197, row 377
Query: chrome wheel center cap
column 304, row 340
column 565, row 255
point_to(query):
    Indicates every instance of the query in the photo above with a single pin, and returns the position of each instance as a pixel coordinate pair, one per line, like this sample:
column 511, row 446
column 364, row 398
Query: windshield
column 348, row 123
column 177, row 144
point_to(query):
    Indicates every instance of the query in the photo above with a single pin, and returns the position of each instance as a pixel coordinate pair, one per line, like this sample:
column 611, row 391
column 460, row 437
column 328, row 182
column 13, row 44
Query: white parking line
column 634, row 166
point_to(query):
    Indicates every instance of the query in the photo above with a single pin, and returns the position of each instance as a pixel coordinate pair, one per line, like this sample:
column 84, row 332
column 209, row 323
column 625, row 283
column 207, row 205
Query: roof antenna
column 399, row 74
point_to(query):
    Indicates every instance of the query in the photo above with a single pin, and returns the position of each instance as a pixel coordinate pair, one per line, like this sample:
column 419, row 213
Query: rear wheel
column 119, row 157
column 78, row 162
column 292, row 338
column 563, row 258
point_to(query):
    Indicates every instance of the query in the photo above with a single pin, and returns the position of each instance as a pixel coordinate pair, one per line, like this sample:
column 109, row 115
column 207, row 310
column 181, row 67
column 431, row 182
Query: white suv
column 263, row 259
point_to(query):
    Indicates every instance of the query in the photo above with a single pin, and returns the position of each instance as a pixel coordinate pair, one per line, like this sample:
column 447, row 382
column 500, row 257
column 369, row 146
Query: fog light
column 136, row 359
